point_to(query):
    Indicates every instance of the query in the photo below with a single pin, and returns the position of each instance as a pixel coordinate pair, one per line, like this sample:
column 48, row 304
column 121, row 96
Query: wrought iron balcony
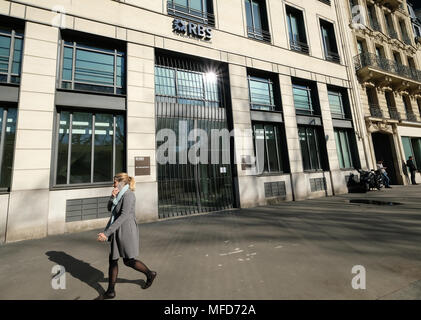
column 392, row 33
column 375, row 25
column 332, row 56
column 406, row 39
column 258, row 34
column 177, row 10
column 410, row 116
column 376, row 111
column 371, row 60
column 394, row 114
column 299, row 46
column 391, row 4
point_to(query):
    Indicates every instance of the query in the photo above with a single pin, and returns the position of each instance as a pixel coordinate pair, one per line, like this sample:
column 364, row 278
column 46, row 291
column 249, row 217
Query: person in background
column 412, row 168
column 386, row 179
column 405, row 171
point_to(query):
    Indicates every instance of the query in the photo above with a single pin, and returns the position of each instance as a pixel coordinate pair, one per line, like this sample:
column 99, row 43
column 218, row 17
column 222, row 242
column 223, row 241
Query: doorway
column 384, row 149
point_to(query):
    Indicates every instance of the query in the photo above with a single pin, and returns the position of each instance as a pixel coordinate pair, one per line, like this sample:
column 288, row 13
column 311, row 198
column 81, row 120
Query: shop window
column 7, row 141
column 90, row 147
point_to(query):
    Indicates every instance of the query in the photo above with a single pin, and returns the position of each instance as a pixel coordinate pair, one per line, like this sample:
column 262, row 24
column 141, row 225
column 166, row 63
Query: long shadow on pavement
column 85, row 272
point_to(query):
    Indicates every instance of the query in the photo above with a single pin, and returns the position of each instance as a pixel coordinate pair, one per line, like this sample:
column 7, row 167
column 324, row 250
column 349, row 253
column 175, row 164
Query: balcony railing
column 333, row 56
column 371, row 60
column 375, row 25
column 410, row 116
column 299, row 46
column 258, row 34
column 376, row 111
column 189, row 13
column 392, row 33
column 406, row 39
column 394, row 114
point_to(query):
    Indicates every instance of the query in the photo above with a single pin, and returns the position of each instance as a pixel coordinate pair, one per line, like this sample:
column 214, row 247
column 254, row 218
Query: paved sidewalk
column 295, row 250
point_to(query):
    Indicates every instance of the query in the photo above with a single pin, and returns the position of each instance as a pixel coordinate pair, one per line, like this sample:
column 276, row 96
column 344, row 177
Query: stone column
column 298, row 178
column 242, row 133
column 29, row 198
column 338, row 178
column 141, row 126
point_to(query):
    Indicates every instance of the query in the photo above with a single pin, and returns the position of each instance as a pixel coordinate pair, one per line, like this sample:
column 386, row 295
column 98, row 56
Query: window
column 337, row 106
column 90, row 68
column 371, row 10
column 264, row 92
column 329, row 41
column 269, row 147
column 310, row 150
column 412, row 147
column 305, row 97
column 297, row 32
column 195, row 10
column 391, row 106
column 187, row 87
column 410, row 115
column 11, row 43
column 343, row 147
column 90, row 147
column 7, row 145
column 390, row 27
column 257, row 24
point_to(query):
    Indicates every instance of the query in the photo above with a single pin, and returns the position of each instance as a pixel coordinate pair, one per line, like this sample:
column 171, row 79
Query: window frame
column 329, row 28
column 318, row 151
column 282, row 169
column 271, row 91
column 263, row 33
column 178, row 97
column 14, row 34
column 302, row 44
column 340, row 148
column 82, row 46
column 206, row 16
column 93, row 112
column 2, row 142
column 308, row 89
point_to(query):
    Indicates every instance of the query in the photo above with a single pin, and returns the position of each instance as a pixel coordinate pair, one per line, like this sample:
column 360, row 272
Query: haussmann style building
column 384, row 47
column 87, row 89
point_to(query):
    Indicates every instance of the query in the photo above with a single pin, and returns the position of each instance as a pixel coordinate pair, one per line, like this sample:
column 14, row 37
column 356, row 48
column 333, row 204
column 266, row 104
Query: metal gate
column 190, row 95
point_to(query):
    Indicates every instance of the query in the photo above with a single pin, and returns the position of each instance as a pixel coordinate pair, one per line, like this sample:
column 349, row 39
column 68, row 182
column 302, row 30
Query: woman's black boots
column 150, row 278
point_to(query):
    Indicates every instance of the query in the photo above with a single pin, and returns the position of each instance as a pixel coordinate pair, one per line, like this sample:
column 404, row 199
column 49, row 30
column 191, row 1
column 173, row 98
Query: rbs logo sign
column 192, row 29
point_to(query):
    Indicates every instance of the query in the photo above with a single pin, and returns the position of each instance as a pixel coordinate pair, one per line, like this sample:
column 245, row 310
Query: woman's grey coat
column 123, row 233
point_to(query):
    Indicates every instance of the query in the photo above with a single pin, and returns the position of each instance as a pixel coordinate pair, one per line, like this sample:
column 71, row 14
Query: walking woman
column 123, row 233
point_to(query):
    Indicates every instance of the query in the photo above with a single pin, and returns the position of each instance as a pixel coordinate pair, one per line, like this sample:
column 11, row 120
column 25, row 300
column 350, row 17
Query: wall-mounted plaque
column 142, row 166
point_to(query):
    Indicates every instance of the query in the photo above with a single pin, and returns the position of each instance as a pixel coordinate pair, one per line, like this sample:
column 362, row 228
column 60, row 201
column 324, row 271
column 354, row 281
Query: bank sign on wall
column 195, row 30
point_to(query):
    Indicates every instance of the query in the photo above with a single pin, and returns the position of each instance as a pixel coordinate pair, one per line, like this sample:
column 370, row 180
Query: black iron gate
column 190, row 95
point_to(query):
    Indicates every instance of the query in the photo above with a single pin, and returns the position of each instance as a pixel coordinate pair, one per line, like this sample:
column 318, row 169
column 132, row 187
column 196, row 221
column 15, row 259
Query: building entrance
column 191, row 107
column 384, row 149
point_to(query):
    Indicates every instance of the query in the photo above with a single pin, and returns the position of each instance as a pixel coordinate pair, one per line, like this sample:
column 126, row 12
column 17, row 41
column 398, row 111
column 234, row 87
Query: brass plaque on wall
column 142, row 166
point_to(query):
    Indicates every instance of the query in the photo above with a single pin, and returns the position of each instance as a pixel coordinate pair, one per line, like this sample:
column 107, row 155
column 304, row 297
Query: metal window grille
column 262, row 100
column 87, row 209
column 318, row 184
column 185, row 188
column 275, row 189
